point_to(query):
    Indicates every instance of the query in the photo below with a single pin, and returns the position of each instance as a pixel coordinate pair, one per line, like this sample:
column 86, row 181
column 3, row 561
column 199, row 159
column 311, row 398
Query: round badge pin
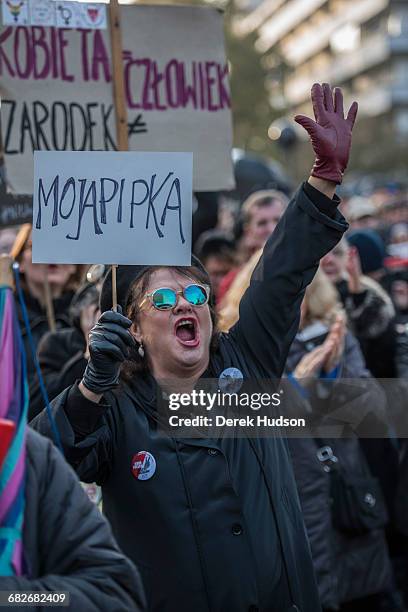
column 230, row 380
column 143, row 465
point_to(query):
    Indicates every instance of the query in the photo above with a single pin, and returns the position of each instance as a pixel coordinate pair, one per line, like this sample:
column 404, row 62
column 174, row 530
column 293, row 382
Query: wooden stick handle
column 114, row 290
column 118, row 80
column 49, row 306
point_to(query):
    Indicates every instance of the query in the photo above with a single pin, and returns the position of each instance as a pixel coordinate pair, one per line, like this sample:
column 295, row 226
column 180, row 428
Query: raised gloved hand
column 109, row 343
column 330, row 133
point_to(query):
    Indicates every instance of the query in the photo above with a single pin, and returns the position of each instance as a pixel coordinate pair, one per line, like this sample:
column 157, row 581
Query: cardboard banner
column 122, row 208
column 57, row 94
column 14, row 209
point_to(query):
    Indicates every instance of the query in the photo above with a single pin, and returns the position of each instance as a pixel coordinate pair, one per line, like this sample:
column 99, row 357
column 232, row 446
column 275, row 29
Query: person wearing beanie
column 371, row 250
column 369, row 308
column 212, row 523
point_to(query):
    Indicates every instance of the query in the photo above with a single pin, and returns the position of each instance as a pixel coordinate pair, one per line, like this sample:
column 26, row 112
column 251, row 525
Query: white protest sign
column 56, row 88
column 122, row 208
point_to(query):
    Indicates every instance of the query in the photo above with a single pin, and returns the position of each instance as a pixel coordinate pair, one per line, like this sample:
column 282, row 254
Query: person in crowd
column 62, row 280
column 369, row 309
column 228, row 313
column 322, row 308
column 63, row 354
column 397, row 391
column 397, row 245
column 216, row 251
column 353, row 569
column 67, row 544
column 216, row 535
column 259, row 216
column 399, row 294
column 7, row 238
column 395, row 211
column 362, row 213
column 371, row 250
column 371, row 318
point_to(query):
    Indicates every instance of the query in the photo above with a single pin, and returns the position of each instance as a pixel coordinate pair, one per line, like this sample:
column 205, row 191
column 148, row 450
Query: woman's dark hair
column 135, row 364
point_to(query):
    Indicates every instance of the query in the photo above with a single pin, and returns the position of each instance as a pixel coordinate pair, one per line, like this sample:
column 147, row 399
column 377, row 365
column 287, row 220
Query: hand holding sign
column 109, row 344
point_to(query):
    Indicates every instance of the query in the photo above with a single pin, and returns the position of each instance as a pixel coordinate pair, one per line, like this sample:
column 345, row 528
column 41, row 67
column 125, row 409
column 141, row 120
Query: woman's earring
column 140, row 350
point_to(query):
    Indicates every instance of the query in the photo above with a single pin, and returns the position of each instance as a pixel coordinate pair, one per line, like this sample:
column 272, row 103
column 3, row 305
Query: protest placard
column 111, row 207
column 57, row 91
column 14, row 209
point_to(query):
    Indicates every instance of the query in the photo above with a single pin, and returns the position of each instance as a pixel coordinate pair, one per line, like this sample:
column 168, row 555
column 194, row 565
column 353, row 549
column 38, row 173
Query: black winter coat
column 39, row 324
column 371, row 317
column 346, row 567
column 62, row 362
column 187, row 527
column 68, row 545
column 401, row 328
column 402, row 497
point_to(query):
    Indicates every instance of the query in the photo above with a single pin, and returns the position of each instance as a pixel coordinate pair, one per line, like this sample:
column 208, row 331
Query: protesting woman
column 213, row 524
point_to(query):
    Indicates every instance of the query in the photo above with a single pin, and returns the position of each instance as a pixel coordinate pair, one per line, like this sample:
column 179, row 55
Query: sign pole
column 118, row 80
column 49, row 306
column 118, row 98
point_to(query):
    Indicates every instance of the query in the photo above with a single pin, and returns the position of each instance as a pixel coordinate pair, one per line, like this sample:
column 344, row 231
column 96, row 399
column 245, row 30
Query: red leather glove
column 330, row 133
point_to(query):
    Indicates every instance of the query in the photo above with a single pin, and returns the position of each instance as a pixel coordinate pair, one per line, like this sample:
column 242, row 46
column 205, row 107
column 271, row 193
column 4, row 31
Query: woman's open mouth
column 187, row 332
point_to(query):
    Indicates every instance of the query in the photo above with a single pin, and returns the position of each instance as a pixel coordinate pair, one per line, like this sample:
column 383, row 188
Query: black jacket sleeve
column 270, row 308
column 85, row 430
column 68, row 544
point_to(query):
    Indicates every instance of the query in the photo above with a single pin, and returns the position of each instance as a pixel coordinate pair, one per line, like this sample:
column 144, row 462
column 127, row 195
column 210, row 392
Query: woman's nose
column 182, row 305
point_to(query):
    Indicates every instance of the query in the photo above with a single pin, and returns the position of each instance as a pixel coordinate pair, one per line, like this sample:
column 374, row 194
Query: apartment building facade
column 360, row 45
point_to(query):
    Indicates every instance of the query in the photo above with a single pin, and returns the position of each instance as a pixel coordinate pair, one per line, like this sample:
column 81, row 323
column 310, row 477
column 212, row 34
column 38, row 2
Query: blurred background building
column 361, row 45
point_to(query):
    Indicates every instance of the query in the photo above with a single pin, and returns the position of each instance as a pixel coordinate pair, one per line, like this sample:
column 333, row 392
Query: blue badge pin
column 143, row 465
column 230, row 380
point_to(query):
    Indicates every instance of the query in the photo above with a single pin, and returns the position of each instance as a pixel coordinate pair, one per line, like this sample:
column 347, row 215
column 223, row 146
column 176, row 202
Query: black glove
column 109, row 343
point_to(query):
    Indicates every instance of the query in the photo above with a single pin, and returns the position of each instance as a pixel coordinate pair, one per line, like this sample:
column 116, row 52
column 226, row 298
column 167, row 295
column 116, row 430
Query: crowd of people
column 232, row 524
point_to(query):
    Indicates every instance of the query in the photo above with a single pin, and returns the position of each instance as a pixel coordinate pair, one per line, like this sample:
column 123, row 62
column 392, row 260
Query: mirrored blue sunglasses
column 165, row 298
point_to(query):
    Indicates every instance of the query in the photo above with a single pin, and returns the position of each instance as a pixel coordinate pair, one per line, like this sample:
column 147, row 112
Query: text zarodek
column 110, row 201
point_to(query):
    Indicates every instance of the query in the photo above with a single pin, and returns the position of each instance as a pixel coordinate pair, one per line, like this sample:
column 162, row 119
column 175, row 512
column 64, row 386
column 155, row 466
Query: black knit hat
column 125, row 277
column 371, row 249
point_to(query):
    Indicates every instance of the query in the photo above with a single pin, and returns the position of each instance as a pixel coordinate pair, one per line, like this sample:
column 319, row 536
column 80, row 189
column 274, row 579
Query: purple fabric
column 13, row 406
column 7, row 359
